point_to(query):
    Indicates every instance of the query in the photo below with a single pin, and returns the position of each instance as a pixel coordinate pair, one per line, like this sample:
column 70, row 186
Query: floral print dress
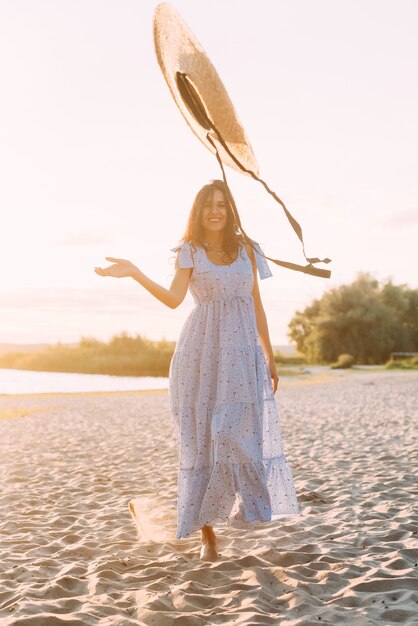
column 232, row 468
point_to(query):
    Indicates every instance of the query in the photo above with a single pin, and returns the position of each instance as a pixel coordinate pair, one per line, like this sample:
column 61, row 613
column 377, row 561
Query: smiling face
column 214, row 213
column 214, row 218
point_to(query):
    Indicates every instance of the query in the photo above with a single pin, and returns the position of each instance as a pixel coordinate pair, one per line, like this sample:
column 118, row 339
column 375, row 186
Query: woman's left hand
column 273, row 373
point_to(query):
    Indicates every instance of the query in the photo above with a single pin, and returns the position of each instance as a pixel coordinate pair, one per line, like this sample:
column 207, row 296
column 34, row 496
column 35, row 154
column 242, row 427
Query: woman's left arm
column 261, row 320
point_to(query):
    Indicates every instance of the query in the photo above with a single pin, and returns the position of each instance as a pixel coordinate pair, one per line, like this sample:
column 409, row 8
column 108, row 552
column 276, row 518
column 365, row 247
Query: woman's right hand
column 121, row 268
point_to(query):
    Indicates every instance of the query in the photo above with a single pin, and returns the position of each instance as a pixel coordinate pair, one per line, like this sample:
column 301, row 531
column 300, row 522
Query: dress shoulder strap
column 185, row 256
column 263, row 268
column 190, row 255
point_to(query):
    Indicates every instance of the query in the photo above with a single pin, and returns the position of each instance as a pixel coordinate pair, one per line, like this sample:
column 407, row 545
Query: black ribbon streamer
column 196, row 107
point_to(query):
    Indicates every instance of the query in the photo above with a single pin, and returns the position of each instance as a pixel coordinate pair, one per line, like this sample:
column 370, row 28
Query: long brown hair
column 232, row 233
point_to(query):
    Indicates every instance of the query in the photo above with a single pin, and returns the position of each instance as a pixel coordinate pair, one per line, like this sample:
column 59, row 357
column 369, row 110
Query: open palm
column 121, row 268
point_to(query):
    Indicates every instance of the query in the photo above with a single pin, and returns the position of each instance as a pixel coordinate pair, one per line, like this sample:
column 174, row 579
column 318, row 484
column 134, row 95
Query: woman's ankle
column 208, row 534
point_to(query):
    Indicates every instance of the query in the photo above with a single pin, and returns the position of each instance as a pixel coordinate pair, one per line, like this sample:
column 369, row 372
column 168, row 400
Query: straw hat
column 186, row 67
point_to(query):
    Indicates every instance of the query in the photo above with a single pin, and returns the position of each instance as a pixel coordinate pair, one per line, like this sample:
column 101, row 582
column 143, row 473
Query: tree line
column 123, row 355
column 365, row 319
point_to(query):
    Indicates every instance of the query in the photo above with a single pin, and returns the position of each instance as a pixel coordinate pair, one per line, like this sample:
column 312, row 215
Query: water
column 24, row 381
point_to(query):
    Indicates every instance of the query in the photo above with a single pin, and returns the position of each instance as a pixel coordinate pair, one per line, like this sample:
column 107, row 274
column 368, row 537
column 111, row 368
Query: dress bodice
column 210, row 281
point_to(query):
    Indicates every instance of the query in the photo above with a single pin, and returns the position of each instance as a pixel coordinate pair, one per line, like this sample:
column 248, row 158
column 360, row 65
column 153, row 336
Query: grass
column 403, row 364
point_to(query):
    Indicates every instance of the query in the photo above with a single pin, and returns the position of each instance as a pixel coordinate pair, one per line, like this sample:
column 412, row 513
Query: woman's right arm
column 171, row 297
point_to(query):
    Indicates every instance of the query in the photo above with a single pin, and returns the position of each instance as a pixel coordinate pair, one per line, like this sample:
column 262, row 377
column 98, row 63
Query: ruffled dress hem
column 236, row 523
column 272, row 495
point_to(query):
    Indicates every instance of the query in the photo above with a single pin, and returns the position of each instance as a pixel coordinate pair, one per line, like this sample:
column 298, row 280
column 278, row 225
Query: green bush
column 344, row 361
column 122, row 356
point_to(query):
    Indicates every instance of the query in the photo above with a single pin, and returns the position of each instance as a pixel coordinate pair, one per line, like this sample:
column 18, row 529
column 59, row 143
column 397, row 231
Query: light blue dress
column 232, row 468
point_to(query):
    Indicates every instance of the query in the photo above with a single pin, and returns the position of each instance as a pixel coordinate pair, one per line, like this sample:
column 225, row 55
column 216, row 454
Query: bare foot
column 208, row 550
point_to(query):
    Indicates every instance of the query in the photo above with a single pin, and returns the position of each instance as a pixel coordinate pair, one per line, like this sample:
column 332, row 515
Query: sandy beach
column 71, row 553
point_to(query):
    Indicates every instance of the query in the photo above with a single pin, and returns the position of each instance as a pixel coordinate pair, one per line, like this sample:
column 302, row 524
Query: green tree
column 363, row 319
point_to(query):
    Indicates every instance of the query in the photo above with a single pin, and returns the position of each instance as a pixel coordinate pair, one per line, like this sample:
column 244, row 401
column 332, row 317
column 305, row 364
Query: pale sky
column 96, row 160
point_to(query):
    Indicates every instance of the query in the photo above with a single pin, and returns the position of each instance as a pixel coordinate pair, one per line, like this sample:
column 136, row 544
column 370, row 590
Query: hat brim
column 180, row 55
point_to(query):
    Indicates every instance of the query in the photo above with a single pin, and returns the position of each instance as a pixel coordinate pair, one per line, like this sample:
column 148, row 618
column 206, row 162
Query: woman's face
column 214, row 212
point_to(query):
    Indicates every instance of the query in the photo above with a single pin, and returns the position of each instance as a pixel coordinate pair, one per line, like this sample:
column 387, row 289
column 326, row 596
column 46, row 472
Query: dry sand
column 70, row 550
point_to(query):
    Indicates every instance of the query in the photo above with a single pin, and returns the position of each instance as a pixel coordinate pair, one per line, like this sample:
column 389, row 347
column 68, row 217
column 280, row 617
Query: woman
column 222, row 378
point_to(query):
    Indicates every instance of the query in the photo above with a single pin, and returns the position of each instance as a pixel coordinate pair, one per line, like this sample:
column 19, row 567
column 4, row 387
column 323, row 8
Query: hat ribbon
column 198, row 110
